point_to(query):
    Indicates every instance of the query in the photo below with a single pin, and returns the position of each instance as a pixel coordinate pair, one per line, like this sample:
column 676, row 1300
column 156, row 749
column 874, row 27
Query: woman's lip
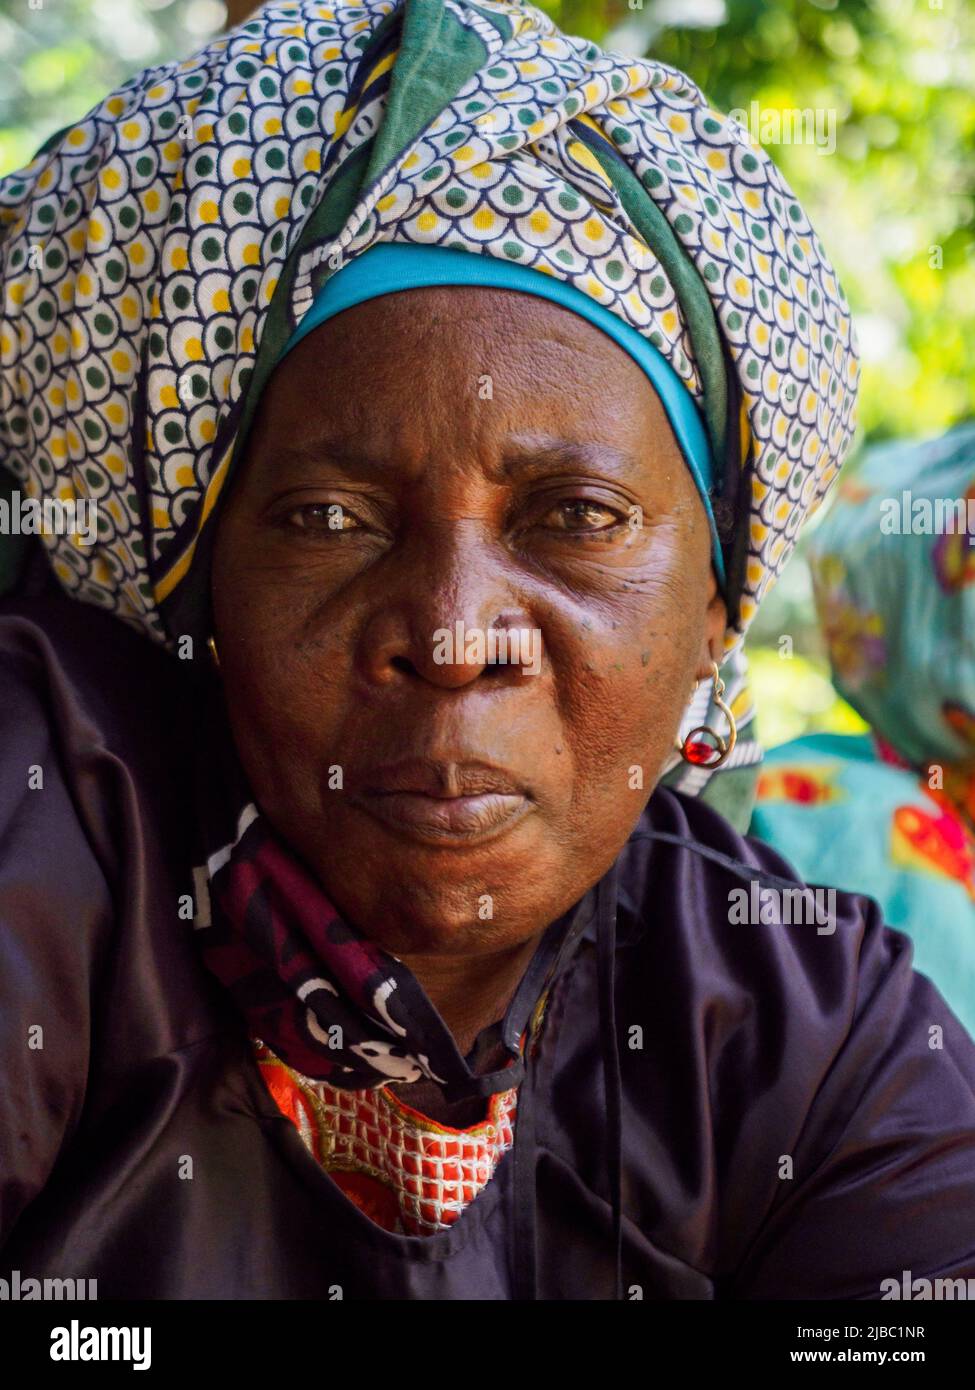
column 441, row 818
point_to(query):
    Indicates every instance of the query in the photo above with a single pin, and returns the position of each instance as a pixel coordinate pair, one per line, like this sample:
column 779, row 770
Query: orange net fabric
column 408, row 1173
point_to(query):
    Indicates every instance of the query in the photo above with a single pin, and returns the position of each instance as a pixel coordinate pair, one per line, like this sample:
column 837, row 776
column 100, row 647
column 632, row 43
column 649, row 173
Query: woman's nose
column 452, row 620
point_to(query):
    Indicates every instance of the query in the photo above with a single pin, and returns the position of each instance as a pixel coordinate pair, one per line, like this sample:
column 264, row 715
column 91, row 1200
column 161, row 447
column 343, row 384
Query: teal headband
column 389, row 266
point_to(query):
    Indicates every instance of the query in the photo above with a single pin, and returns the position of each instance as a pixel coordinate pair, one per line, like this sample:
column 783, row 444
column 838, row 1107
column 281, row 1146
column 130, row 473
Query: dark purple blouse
column 797, row 1109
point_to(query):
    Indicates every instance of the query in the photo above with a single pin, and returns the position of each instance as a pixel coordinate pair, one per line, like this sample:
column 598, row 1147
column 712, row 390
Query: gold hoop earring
column 212, row 647
column 694, row 749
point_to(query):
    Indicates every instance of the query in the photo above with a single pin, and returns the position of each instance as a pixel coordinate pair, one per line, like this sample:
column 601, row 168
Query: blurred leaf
column 794, row 697
column 50, row 70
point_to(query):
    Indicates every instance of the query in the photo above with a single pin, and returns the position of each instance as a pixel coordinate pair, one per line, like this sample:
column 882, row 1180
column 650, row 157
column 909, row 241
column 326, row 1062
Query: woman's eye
column 323, row 516
column 581, row 515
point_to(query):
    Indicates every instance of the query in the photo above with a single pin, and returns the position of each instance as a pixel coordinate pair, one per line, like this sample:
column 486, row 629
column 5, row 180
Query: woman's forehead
column 507, row 424
column 501, row 349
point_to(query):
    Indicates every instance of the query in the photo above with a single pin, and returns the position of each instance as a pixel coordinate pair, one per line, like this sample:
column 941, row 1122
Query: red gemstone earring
column 694, row 749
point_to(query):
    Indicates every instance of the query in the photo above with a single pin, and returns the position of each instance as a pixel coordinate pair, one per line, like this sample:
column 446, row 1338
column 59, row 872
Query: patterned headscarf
column 156, row 256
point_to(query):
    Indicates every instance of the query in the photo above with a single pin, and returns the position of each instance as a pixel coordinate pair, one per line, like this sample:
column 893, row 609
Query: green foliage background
column 894, row 203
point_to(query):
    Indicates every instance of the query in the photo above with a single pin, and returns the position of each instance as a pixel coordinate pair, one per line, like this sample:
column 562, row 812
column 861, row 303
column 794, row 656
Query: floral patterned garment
column 893, row 569
column 843, row 815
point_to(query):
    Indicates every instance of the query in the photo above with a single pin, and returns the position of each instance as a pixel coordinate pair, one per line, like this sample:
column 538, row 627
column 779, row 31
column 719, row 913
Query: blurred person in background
column 891, row 813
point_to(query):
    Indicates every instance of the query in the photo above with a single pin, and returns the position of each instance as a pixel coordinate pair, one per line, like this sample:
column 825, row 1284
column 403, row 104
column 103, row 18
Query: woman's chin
column 410, row 888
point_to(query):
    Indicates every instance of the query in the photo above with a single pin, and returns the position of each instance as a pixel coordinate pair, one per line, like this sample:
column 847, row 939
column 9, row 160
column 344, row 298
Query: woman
column 473, row 386
column 891, row 813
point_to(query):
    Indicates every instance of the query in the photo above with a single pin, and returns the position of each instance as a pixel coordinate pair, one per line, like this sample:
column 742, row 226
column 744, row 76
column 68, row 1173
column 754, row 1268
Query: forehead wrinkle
column 432, row 410
column 518, row 335
column 446, row 309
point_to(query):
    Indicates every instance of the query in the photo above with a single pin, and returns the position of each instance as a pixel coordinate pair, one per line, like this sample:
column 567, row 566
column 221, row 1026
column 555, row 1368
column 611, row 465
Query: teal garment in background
column 895, row 595
column 847, row 819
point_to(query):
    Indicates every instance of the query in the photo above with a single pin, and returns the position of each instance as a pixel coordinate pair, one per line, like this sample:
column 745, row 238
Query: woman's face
column 436, row 481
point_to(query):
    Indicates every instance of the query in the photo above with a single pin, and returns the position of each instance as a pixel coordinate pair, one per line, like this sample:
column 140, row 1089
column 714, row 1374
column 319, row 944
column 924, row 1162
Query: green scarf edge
column 692, row 293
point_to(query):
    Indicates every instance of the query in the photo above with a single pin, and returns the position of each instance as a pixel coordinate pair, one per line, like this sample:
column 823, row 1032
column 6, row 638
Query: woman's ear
column 715, row 623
